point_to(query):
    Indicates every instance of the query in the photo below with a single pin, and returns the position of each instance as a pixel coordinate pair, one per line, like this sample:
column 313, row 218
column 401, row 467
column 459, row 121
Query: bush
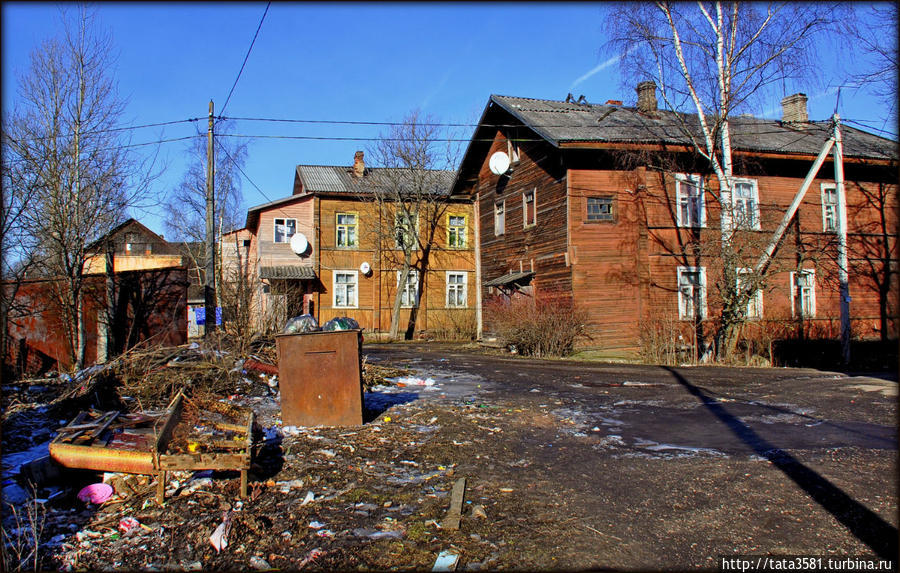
column 546, row 325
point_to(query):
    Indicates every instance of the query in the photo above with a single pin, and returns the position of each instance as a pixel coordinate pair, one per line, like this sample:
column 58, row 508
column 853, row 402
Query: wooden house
column 610, row 205
column 330, row 250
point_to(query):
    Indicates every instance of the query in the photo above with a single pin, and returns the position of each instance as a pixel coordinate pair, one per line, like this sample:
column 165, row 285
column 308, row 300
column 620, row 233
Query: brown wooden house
column 344, row 260
column 609, row 205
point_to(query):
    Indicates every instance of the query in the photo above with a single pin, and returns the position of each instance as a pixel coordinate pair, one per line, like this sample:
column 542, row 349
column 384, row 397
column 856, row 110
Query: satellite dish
column 499, row 163
column 299, row 243
column 365, row 268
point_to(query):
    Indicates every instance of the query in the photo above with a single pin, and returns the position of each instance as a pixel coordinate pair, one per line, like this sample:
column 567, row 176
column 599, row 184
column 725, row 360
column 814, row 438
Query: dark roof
column 287, row 272
column 111, row 234
column 509, row 278
column 339, row 179
column 561, row 122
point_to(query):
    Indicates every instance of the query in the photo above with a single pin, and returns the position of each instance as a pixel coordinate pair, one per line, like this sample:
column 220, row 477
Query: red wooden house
column 610, row 205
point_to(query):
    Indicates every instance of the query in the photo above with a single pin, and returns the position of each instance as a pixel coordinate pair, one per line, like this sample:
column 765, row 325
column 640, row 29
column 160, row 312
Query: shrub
column 545, row 325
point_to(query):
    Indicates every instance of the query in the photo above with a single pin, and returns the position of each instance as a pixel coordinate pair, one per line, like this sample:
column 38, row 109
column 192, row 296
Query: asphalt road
column 827, row 441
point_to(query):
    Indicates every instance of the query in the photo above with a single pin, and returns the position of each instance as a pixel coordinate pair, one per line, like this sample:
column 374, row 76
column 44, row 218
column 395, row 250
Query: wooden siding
column 540, row 248
column 625, row 271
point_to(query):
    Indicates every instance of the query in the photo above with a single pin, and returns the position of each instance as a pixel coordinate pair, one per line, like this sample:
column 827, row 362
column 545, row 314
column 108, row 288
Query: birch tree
column 712, row 61
column 410, row 191
column 70, row 154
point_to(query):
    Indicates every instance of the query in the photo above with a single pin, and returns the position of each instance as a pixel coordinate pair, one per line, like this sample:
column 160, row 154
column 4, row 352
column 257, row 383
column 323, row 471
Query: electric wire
column 246, row 57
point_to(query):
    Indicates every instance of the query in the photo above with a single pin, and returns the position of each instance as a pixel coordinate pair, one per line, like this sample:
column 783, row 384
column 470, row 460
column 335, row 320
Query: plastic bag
column 302, row 323
column 341, row 323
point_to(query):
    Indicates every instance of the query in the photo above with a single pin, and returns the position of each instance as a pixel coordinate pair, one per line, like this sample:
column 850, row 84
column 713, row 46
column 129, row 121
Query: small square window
column 284, row 230
column 600, row 209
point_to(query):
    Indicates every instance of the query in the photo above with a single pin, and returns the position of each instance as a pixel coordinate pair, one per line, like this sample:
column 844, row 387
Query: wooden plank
column 204, row 461
column 456, row 503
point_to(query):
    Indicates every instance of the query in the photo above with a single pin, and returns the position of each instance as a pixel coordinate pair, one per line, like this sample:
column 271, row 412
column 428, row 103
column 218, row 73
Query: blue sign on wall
column 200, row 314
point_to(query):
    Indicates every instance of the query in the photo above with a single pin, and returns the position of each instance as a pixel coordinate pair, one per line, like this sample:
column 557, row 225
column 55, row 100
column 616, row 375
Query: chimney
column 793, row 109
column 359, row 166
column 613, row 102
column 646, row 97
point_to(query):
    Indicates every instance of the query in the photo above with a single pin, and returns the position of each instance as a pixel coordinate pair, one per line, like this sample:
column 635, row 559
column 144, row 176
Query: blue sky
column 345, row 62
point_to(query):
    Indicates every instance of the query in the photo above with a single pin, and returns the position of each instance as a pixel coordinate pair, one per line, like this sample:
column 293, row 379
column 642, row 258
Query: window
column 134, row 245
column 745, row 204
column 803, row 294
column 529, row 211
column 346, row 230
column 689, row 196
column 285, row 229
column 409, row 293
column 499, row 218
column 691, row 293
column 829, row 208
column 600, row 209
column 456, row 289
column 405, row 231
column 753, row 310
column 345, row 289
column 456, row 231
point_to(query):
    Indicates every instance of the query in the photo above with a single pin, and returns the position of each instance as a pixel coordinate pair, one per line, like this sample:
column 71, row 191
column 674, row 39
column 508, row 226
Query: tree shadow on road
column 862, row 522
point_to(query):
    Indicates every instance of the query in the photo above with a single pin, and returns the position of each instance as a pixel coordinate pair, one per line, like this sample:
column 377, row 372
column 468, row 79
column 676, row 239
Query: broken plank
column 456, row 503
column 104, row 423
column 204, row 462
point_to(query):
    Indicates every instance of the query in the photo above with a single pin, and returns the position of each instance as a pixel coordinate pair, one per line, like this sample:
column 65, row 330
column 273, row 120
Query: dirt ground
column 567, row 465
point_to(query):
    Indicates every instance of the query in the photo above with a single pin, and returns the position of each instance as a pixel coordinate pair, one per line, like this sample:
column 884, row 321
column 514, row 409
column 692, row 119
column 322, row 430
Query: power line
column 112, row 129
column 246, row 57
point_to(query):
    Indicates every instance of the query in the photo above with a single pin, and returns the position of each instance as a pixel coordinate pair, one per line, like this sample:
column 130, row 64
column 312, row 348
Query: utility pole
column 843, row 273
column 209, row 284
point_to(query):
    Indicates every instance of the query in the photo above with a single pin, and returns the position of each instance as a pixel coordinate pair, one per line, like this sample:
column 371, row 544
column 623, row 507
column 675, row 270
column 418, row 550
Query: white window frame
column 755, row 301
column 499, row 218
column 457, row 288
column 287, row 231
column 829, row 208
column 461, row 232
column 336, row 286
column 682, row 306
column 812, row 293
column 739, row 223
column 411, row 289
column 525, row 194
column 346, row 227
column 694, row 181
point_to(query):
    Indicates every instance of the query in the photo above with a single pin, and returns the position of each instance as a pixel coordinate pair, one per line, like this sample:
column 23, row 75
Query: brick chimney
column 359, row 166
column 646, row 97
column 793, row 109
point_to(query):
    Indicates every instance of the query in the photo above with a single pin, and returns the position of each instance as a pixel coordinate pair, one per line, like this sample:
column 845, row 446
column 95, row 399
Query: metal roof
column 339, row 179
column 287, row 272
column 509, row 278
column 562, row 122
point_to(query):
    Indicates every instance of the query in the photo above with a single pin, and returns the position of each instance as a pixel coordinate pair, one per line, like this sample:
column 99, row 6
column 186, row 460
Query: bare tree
column 714, row 59
column 186, row 208
column 876, row 38
column 411, row 192
column 72, row 157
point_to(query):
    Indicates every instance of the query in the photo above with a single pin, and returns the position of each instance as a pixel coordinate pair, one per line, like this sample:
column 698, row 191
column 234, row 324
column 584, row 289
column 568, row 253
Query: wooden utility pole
column 843, row 272
column 209, row 284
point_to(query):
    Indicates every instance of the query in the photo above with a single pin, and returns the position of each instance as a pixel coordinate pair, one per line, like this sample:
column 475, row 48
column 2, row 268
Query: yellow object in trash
column 192, row 447
column 387, row 418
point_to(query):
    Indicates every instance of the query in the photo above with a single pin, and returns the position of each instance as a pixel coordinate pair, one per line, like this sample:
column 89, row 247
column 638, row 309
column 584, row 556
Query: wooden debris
column 456, row 502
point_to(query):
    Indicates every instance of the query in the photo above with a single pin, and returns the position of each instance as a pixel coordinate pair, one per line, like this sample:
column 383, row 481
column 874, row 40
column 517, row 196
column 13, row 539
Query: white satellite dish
column 499, row 163
column 299, row 243
column 365, row 268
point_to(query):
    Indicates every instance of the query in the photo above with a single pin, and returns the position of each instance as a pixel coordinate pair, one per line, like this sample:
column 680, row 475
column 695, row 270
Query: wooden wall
column 541, row 247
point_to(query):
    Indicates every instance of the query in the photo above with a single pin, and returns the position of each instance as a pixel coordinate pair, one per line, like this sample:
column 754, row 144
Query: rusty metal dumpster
column 320, row 378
